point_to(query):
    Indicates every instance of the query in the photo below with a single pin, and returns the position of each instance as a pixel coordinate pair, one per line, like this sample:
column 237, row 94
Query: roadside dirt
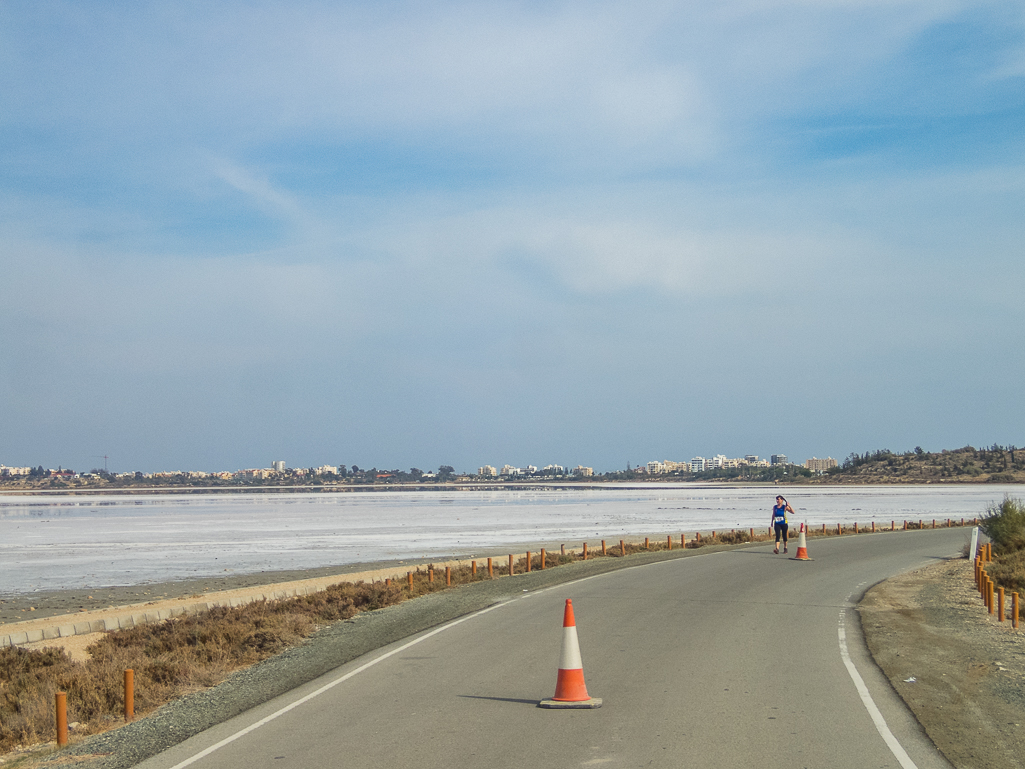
column 960, row 671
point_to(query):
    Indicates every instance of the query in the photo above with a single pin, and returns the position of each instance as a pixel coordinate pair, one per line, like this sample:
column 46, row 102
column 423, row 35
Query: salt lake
column 62, row 542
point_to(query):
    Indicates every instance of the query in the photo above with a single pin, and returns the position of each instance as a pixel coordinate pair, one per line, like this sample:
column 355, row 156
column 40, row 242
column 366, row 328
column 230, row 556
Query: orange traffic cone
column 570, row 691
column 802, row 547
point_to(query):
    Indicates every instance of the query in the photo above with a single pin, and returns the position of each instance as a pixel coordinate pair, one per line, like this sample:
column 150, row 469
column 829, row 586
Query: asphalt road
column 734, row 658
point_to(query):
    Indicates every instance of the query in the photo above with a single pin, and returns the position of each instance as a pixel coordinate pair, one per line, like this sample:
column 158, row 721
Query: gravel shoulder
column 960, row 671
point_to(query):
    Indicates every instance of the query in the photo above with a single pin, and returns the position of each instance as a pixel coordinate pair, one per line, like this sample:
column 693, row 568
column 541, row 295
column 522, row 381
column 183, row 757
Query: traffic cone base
column 802, row 548
column 570, row 690
column 594, row 702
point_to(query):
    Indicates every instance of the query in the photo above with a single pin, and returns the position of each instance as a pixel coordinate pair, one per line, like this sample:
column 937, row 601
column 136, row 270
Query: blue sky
column 406, row 234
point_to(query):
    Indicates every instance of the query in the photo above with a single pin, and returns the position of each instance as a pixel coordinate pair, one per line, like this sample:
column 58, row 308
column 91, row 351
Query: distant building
column 820, row 465
column 487, row 472
column 698, row 465
column 779, row 459
column 9, row 472
column 583, row 472
column 278, row 465
column 751, row 459
column 325, row 470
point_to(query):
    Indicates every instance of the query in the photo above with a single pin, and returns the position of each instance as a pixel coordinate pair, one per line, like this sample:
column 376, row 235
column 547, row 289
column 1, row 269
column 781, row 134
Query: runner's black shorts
column 781, row 530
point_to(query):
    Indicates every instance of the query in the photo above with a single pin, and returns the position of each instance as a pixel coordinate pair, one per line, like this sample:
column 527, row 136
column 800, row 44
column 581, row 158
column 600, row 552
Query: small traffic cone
column 570, row 691
column 802, row 548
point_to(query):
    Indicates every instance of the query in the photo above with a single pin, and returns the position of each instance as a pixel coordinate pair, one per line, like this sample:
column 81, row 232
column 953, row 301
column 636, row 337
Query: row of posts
column 993, row 596
column 511, row 570
column 62, row 707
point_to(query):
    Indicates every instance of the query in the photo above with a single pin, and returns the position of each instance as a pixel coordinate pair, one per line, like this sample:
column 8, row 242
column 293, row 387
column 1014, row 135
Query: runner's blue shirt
column 779, row 514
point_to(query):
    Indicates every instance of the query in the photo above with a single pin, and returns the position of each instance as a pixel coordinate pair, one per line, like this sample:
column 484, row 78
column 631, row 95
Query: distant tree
column 445, row 472
column 416, row 472
column 919, row 450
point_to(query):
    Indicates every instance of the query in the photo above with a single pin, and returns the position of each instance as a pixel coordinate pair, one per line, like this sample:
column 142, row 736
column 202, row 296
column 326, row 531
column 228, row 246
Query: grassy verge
column 189, row 653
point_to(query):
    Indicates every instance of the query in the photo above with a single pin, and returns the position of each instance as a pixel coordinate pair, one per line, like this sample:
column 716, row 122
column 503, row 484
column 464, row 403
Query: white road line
column 877, row 718
column 326, row 687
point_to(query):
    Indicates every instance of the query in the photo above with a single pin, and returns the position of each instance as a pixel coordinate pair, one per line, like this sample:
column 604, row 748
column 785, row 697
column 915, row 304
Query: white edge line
column 326, row 687
column 877, row 718
column 253, row 727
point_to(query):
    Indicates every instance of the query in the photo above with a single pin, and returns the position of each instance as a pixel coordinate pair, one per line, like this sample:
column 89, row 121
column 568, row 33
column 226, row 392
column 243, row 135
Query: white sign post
column 975, row 543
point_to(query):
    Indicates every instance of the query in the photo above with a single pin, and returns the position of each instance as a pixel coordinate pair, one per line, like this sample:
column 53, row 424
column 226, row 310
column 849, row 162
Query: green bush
column 1004, row 524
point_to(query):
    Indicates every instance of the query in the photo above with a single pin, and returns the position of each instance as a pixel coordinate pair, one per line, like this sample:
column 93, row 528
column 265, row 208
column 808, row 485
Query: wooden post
column 528, row 562
column 585, row 551
column 838, row 529
column 823, row 529
column 430, row 573
column 563, row 549
column 409, row 579
column 129, row 694
column 647, row 546
column 473, row 568
column 893, row 525
column 543, row 557
column 448, row 576
column 873, row 527
column 1014, row 609
column 62, row 718
column 622, row 548
column 991, row 596
column 855, row 527
column 669, row 542
column 752, row 535
column 697, row 536
column 713, row 535
column 511, row 568
column 604, row 550
column 491, row 570
column 1000, row 603
column 683, row 541
column 387, row 581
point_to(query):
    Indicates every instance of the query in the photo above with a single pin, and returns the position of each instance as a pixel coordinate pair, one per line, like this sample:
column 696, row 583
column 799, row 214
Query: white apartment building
column 820, row 465
column 487, row 472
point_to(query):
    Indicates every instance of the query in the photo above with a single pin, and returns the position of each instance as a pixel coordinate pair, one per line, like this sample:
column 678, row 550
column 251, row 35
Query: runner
column 778, row 522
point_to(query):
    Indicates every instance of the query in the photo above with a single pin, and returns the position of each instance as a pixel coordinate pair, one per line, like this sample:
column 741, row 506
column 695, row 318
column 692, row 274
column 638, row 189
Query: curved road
column 736, row 658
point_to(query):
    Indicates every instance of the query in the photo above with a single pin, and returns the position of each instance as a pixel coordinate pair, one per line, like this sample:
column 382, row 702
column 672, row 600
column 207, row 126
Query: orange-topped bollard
column 528, row 561
column 129, row 694
column 512, row 570
column 61, row 704
column 1014, row 609
column 491, row 570
column 1000, row 603
column 448, row 576
column 544, row 555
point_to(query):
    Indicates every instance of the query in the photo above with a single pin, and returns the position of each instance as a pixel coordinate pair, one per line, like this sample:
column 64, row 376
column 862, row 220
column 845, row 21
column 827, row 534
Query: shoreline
column 344, row 488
